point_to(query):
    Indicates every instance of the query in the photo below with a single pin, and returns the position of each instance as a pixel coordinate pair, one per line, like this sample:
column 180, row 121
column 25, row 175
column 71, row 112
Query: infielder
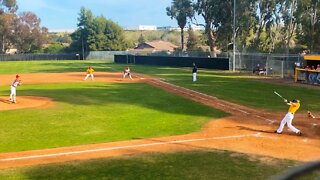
column 89, row 71
column 126, row 72
column 294, row 105
column 13, row 88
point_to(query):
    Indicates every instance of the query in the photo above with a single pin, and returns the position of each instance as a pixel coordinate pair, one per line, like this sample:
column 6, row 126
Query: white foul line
column 125, row 147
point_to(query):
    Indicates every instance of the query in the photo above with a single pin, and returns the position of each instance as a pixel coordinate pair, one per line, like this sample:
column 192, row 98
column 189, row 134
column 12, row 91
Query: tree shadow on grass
column 127, row 94
column 73, row 67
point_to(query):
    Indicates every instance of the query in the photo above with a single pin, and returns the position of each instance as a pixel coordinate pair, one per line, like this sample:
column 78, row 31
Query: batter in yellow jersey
column 89, row 71
column 294, row 105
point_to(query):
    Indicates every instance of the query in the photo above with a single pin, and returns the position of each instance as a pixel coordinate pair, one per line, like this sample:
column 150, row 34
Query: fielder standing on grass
column 13, row 89
column 89, row 71
column 194, row 72
column 294, row 105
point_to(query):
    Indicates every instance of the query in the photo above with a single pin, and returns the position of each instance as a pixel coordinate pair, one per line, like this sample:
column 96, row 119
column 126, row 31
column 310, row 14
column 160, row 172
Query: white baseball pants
column 194, row 77
column 88, row 75
column 287, row 120
column 13, row 93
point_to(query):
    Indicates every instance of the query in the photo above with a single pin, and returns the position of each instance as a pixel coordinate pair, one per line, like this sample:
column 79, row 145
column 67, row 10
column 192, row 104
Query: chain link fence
column 279, row 65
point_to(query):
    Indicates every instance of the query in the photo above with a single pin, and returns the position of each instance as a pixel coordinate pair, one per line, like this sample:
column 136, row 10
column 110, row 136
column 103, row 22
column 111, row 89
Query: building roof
column 157, row 46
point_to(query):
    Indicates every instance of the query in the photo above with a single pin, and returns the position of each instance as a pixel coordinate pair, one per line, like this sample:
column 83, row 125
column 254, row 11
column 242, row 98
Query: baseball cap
column 17, row 76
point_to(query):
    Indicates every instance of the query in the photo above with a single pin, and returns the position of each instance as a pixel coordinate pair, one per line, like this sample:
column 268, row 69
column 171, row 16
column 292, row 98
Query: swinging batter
column 294, row 105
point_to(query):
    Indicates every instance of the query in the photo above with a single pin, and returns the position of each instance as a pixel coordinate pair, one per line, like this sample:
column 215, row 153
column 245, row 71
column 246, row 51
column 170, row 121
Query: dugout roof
column 312, row 58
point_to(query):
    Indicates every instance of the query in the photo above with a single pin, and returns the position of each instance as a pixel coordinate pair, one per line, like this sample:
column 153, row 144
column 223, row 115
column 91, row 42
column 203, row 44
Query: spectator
column 312, row 75
column 318, row 76
column 256, row 69
column 307, row 68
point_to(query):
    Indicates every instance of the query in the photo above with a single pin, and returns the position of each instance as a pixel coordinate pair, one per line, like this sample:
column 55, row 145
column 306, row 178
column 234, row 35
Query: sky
column 61, row 15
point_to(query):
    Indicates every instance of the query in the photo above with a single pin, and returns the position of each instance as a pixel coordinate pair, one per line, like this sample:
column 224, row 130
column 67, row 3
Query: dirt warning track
column 246, row 130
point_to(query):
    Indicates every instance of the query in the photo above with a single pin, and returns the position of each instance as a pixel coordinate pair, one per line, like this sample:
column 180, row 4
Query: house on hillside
column 11, row 51
column 156, row 46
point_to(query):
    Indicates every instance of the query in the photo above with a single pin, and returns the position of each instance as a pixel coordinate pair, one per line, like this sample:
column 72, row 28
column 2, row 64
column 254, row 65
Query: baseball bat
column 279, row 95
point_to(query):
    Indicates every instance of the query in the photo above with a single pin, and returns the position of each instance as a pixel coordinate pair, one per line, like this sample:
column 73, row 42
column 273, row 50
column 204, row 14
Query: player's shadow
column 255, row 130
column 5, row 101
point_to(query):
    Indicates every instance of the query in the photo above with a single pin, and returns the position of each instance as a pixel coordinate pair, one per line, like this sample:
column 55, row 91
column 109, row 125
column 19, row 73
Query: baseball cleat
column 299, row 133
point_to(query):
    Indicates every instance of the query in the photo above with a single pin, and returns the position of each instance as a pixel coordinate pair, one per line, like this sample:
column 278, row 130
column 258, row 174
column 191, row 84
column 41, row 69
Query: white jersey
column 15, row 83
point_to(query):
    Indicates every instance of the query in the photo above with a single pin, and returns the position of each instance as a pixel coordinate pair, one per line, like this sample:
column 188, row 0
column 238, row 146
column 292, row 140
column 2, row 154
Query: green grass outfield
column 103, row 112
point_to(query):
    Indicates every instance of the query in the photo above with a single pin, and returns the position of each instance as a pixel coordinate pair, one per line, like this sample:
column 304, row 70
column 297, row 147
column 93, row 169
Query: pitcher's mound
column 24, row 102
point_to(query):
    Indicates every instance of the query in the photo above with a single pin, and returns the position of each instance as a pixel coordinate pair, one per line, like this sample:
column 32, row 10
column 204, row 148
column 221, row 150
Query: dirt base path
column 247, row 131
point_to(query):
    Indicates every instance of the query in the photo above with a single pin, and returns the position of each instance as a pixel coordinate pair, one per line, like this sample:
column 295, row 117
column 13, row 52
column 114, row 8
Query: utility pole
column 82, row 44
column 234, row 37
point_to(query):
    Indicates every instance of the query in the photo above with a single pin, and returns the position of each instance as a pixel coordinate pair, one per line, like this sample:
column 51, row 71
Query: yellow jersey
column 90, row 71
column 294, row 107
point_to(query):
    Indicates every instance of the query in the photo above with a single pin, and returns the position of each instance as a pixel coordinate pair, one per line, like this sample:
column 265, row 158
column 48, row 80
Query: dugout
column 302, row 74
column 312, row 60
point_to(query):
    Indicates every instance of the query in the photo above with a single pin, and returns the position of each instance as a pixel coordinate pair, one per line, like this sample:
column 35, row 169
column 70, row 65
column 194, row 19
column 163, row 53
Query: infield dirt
column 246, row 130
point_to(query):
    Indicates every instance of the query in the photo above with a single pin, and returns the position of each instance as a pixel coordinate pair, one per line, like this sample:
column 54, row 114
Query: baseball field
column 160, row 125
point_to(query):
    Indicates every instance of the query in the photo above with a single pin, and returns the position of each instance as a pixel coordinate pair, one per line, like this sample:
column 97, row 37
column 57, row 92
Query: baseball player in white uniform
column 127, row 72
column 13, row 88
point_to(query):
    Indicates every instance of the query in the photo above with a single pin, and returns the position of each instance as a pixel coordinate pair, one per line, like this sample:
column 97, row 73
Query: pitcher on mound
column 13, row 89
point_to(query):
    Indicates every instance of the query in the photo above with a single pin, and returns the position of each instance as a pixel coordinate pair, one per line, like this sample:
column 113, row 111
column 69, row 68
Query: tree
column 54, row 48
column 115, row 37
column 6, row 30
column 96, row 37
column 192, row 42
column 8, row 6
column 244, row 26
column 216, row 15
column 308, row 21
column 97, row 34
column 141, row 39
column 29, row 36
column 181, row 10
column 7, row 16
column 288, row 10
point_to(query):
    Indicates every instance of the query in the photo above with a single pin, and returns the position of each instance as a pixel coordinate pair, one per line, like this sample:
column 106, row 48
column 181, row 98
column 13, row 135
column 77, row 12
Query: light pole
column 82, row 28
column 234, row 37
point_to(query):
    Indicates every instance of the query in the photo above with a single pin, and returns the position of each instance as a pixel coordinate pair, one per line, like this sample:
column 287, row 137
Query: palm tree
column 181, row 10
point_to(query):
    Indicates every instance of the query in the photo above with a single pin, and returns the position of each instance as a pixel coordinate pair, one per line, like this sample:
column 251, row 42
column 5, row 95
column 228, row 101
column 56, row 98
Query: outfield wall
column 209, row 63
